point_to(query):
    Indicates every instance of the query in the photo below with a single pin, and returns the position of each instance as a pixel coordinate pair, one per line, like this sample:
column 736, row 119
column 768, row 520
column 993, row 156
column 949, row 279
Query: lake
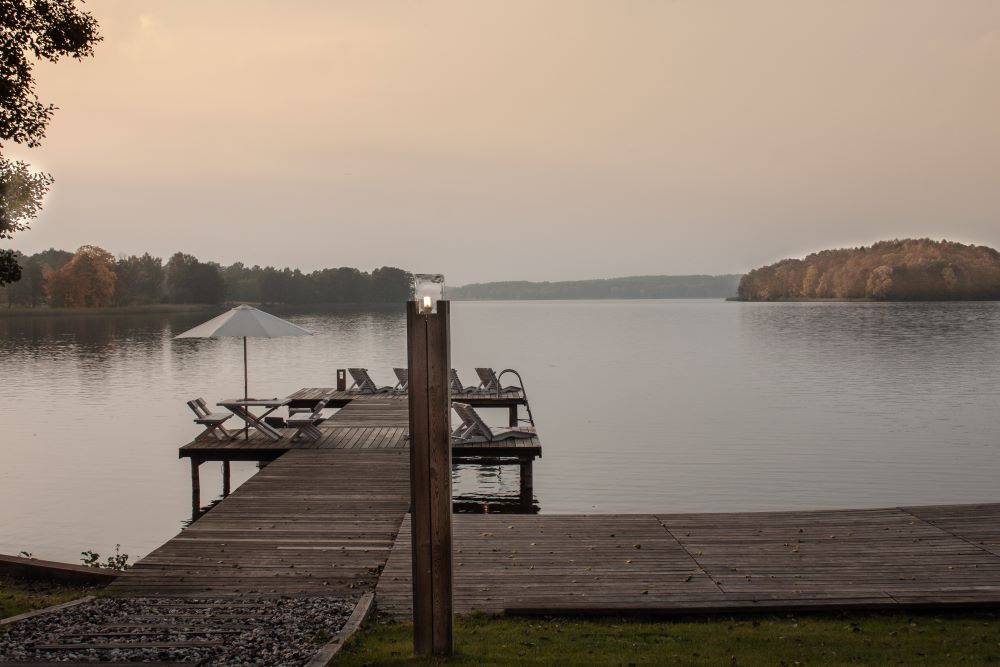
column 641, row 406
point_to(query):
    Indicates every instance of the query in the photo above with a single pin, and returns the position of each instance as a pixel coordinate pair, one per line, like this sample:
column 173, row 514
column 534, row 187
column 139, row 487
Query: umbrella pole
column 246, row 393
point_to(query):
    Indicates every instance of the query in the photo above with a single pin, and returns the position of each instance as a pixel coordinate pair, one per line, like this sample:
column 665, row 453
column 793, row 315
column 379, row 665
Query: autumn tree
column 30, row 31
column 911, row 269
column 86, row 281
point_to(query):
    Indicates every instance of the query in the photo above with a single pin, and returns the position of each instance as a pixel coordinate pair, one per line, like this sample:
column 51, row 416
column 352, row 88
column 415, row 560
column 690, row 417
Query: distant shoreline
column 150, row 309
column 179, row 308
column 835, row 300
column 627, row 287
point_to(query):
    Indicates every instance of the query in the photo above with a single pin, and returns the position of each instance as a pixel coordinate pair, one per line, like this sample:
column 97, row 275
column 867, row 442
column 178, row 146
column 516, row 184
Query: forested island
column 900, row 270
column 93, row 278
column 634, row 287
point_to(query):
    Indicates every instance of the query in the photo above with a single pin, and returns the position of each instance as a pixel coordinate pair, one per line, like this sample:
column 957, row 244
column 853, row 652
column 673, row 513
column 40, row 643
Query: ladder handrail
column 524, row 393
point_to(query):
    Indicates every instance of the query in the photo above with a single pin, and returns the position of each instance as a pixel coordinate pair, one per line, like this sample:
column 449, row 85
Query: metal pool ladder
column 524, row 393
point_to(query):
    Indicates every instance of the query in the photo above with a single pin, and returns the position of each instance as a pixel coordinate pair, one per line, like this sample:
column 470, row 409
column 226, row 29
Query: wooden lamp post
column 429, row 360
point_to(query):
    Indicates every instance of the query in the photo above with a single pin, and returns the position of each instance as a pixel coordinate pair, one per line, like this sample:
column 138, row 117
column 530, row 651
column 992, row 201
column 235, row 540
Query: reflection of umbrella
column 243, row 322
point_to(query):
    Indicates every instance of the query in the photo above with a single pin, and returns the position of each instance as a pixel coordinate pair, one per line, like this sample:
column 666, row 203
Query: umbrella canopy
column 245, row 322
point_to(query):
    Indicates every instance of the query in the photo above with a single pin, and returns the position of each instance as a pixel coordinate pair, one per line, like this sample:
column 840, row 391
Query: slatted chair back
column 362, row 380
column 198, row 407
column 456, row 384
column 402, row 377
column 465, row 429
column 487, row 379
column 318, row 410
column 476, row 424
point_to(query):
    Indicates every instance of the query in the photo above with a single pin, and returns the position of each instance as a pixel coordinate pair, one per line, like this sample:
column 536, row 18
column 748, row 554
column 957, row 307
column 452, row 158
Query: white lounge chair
column 488, row 380
column 456, row 384
column 363, row 382
column 474, row 429
column 402, row 377
column 212, row 421
column 305, row 423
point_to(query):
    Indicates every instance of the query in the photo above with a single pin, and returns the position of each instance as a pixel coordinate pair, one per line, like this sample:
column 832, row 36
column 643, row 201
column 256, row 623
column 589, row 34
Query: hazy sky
column 538, row 140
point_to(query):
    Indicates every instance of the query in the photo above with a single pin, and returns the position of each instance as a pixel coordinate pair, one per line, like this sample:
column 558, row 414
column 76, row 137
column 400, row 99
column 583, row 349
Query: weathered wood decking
column 365, row 421
column 687, row 563
column 325, row 518
column 319, row 522
column 336, row 398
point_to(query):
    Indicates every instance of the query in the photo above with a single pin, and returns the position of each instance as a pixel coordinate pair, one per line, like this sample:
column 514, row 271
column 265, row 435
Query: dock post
column 428, row 349
column 527, row 482
column 512, row 417
column 225, row 478
column 195, row 489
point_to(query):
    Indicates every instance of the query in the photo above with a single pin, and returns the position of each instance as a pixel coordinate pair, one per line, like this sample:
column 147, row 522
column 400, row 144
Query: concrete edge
column 45, row 610
column 357, row 619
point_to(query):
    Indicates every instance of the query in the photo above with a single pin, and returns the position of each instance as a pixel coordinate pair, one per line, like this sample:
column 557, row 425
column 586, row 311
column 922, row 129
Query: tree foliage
column 10, row 270
column 139, row 280
column 58, row 278
column 86, row 281
column 30, row 289
column 191, row 281
column 21, row 192
column 31, row 30
column 900, row 270
column 36, row 30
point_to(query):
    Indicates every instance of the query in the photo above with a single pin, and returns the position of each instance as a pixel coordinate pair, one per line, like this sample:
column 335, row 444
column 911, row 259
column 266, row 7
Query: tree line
column 93, row 278
column 899, row 270
column 633, row 287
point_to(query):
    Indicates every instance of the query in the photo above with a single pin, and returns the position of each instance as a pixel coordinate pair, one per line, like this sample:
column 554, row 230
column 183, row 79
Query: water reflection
column 491, row 489
column 642, row 406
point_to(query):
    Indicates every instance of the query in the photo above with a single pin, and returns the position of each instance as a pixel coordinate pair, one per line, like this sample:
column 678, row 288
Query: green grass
column 895, row 638
column 17, row 597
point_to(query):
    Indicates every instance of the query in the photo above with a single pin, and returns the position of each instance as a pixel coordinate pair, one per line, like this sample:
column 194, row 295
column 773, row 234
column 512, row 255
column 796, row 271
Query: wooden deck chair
column 488, row 380
column 402, row 378
column 212, row 421
column 305, row 424
column 456, row 384
column 474, row 428
column 467, row 427
column 363, row 382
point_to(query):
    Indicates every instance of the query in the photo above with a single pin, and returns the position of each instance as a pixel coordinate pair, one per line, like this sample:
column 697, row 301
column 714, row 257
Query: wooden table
column 241, row 408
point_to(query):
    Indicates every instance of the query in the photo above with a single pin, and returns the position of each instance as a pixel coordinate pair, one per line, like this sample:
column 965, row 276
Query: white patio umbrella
column 245, row 322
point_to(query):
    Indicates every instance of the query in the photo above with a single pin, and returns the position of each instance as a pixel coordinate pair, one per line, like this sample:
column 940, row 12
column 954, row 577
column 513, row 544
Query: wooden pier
column 364, row 422
column 329, row 517
column 318, row 522
column 710, row 563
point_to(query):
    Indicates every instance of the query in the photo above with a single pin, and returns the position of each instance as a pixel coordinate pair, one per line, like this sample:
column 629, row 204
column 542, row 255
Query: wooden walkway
column 329, row 518
column 318, row 522
column 320, row 518
column 688, row 563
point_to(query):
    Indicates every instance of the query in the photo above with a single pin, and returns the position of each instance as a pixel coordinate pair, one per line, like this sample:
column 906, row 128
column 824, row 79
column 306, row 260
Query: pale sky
column 508, row 139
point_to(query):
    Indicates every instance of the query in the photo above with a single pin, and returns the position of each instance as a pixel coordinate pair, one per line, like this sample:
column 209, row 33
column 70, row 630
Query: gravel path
column 252, row 632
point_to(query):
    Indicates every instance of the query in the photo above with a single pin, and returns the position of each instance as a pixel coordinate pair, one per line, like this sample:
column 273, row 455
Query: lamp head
column 426, row 289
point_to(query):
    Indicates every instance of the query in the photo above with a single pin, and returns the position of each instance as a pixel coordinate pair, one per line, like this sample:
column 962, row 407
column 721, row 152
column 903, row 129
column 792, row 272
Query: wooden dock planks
column 322, row 519
column 476, row 398
column 311, row 522
column 370, row 421
column 686, row 563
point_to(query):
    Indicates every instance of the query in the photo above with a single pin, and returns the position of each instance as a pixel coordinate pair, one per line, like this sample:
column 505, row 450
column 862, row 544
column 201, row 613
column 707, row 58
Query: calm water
column 641, row 405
